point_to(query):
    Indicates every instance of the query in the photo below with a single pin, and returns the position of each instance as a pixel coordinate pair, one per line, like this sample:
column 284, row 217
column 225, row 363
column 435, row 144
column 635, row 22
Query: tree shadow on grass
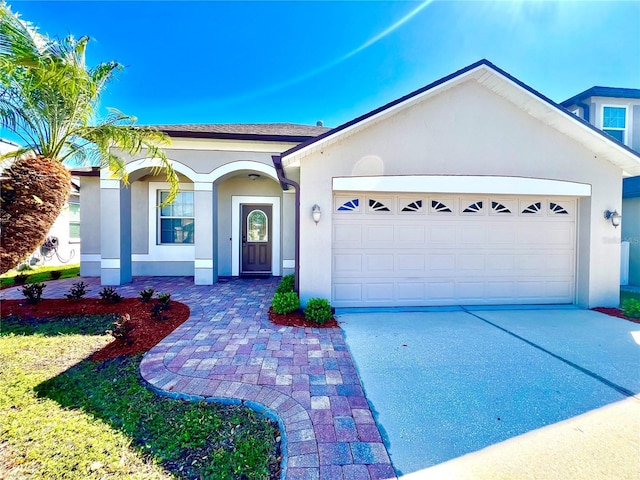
column 191, row 440
column 69, row 325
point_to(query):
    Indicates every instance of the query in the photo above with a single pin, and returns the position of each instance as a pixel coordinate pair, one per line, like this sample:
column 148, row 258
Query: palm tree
column 48, row 98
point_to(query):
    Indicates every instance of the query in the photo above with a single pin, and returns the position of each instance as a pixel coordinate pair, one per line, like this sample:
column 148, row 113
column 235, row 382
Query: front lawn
column 628, row 295
column 40, row 274
column 64, row 416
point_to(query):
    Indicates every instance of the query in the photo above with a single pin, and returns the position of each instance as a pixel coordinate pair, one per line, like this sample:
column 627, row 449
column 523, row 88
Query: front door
column 256, row 239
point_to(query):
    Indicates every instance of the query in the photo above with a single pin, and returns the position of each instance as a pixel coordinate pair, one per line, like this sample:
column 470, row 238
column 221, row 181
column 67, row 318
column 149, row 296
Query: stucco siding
column 631, row 234
column 466, row 130
column 237, row 186
column 90, row 227
column 140, row 218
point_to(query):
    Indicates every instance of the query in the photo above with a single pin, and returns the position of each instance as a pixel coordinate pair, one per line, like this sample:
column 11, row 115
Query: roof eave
column 237, row 136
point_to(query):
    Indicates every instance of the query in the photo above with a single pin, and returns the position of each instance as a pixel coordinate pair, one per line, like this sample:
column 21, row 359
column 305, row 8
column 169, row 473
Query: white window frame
column 74, row 200
column 160, row 252
column 159, row 217
column 618, row 129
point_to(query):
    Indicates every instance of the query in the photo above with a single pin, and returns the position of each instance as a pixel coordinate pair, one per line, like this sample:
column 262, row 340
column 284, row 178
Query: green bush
column 146, row 295
column 20, row 279
column 318, row 310
column 285, row 302
column 631, row 308
column 55, row 274
column 33, row 292
column 164, row 299
column 110, row 295
column 77, row 291
column 287, row 284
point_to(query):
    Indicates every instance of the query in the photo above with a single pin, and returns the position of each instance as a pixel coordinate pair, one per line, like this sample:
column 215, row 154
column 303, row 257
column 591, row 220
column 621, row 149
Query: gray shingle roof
column 242, row 130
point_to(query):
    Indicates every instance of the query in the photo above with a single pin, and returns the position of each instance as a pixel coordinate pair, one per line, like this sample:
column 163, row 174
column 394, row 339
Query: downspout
column 285, row 183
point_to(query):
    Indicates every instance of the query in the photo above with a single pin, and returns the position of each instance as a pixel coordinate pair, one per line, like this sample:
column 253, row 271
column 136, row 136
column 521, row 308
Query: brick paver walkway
column 229, row 351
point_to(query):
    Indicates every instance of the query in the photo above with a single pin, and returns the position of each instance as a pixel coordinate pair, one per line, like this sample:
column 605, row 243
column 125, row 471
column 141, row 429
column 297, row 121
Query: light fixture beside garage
column 315, row 213
column 614, row 217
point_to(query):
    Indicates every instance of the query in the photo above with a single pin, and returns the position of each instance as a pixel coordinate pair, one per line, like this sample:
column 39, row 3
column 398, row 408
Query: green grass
column 64, row 417
column 40, row 274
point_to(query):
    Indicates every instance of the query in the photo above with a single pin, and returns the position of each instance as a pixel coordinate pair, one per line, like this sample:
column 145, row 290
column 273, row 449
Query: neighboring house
column 475, row 189
column 62, row 244
column 616, row 111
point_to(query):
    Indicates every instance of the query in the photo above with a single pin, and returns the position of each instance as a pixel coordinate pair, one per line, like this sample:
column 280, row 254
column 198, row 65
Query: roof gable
column 503, row 84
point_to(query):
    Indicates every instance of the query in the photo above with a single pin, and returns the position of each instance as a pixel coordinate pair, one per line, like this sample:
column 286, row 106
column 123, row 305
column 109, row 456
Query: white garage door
column 421, row 250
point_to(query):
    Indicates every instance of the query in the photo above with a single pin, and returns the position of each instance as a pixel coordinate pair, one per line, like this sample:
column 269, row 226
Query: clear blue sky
column 246, row 62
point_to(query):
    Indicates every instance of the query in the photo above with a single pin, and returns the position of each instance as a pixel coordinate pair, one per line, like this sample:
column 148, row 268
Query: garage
column 439, row 249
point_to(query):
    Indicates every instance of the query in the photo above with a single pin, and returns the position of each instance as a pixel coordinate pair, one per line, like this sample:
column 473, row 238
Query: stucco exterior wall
column 90, row 226
column 466, row 130
column 631, row 234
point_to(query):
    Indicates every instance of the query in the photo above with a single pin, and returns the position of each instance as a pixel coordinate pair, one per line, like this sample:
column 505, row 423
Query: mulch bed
column 145, row 330
column 296, row 319
column 616, row 312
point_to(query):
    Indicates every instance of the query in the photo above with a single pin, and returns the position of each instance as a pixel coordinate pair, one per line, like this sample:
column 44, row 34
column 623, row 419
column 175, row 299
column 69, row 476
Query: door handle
column 244, row 241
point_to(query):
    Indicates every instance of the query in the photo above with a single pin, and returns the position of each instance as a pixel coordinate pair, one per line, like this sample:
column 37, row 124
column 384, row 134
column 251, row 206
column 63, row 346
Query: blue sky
column 246, row 62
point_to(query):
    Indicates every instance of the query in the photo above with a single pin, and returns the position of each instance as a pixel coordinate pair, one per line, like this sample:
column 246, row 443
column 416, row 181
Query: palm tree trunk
column 33, row 192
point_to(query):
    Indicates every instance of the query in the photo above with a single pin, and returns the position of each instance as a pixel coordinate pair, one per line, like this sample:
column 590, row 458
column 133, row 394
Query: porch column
column 115, row 231
column 203, row 262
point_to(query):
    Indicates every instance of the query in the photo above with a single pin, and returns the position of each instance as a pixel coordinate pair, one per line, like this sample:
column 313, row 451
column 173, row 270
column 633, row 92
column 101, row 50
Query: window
column 74, row 218
column 177, row 220
column 257, row 227
column 614, row 122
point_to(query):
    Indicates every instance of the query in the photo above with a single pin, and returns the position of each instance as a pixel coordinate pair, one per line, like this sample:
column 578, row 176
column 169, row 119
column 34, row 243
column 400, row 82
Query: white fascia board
column 462, row 184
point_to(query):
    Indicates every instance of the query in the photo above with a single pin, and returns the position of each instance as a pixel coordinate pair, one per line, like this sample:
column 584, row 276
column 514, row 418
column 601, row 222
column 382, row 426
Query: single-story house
column 473, row 190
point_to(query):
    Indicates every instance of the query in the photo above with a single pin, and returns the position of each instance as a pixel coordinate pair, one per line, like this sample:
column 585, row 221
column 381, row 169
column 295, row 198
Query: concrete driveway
column 448, row 382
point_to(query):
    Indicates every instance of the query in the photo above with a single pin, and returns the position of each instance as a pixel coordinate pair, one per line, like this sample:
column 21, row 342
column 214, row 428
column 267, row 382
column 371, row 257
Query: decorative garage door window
column 497, row 207
column 473, row 208
column 378, row 205
column 351, row 205
column 257, row 227
column 411, row 206
column 557, row 209
column 532, row 208
column 438, row 206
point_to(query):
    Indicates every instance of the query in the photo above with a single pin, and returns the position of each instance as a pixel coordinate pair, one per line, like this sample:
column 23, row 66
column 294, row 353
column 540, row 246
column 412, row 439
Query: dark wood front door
column 256, row 239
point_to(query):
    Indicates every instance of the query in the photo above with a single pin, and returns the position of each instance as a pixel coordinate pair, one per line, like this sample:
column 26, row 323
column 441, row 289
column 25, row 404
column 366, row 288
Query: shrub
column 121, row 328
column 146, row 295
column 285, row 302
column 318, row 310
column 33, row 292
column 24, row 267
column 110, row 295
column 164, row 299
column 20, row 279
column 55, row 274
column 157, row 312
column 631, row 308
column 77, row 291
column 287, row 284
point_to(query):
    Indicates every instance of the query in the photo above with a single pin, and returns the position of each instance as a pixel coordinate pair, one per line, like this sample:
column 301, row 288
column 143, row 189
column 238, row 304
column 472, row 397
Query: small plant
column 164, row 299
column 285, row 302
column 24, row 267
column 318, row 310
column 631, row 308
column 146, row 295
column 55, row 274
column 20, row 279
column 287, row 284
column 158, row 312
column 110, row 295
column 77, row 291
column 33, row 292
column 121, row 328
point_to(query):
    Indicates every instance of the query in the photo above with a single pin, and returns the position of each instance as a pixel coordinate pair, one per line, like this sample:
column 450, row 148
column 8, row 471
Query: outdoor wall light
column 614, row 217
column 315, row 213
column 253, row 176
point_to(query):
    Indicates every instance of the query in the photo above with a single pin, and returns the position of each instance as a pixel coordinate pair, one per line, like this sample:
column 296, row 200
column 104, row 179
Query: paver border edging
column 264, row 393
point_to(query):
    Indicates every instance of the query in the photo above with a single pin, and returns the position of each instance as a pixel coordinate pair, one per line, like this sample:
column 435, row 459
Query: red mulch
column 616, row 312
column 145, row 330
column 296, row 319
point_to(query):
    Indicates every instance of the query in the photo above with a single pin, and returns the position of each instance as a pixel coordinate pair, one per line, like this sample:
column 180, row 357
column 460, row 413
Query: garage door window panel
column 411, row 205
column 474, row 208
column 347, row 204
column 528, row 207
column 380, row 205
column 442, row 206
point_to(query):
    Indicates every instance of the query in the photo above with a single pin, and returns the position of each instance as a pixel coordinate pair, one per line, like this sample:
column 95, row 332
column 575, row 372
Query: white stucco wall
column 465, row 131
